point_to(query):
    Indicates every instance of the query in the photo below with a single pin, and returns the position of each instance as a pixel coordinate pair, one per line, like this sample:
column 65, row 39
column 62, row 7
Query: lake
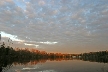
column 58, row 65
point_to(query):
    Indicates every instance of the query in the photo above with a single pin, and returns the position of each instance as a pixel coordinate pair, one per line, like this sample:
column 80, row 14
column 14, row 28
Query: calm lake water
column 57, row 66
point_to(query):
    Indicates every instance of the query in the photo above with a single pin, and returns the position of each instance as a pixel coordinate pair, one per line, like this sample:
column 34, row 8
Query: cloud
column 50, row 43
column 55, row 22
column 13, row 37
column 31, row 45
column 41, row 2
column 16, row 40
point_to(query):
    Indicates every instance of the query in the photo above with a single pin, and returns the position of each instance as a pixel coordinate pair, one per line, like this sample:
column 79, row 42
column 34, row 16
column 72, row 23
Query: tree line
column 30, row 53
column 8, row 55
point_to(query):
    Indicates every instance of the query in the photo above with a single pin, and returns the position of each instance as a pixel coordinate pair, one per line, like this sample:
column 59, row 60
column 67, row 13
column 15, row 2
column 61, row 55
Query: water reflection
column 5, row 64
column 26, row 65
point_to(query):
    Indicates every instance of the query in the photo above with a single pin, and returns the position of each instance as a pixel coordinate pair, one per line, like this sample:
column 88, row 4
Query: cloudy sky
column 68, row 26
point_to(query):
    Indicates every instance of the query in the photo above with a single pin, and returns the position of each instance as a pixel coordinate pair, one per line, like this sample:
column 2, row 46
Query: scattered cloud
column 31, row 45
column 50, row 43
column 55, row 22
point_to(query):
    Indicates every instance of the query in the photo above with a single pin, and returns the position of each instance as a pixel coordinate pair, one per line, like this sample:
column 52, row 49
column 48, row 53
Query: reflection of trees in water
column 104, row 68
column 8, row 55
column 101, row 56
column 5, row 64
column 100, row 60
column 6, row 68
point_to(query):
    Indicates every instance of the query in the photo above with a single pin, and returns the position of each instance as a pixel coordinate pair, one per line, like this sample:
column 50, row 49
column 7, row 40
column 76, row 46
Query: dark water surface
column 56, row 66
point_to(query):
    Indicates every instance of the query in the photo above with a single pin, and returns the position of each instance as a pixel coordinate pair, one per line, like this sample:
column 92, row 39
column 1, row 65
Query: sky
column 67, row 26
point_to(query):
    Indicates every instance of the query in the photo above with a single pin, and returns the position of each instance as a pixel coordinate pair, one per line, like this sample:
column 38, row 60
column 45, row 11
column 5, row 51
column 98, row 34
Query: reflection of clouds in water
column 63, row 66
column 48, row 71
column 17, row 71
column 28, row 68
column 36, row 69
